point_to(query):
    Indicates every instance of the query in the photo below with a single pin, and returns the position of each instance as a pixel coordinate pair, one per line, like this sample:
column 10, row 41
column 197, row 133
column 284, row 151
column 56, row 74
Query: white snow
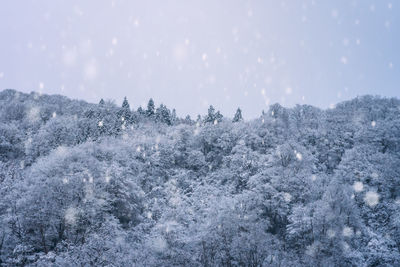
column 347, row 231
column 371, row 198
column 358, row 186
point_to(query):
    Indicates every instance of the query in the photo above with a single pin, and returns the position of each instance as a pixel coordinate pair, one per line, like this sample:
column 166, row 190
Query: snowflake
column 90, row 179
column 358, row 186
column 287, row 197
column 149, row 215
column 312, row 249
column 334, row 13
column 114, row 41
column 331, row 233
column 371, row 198
column 347, row 231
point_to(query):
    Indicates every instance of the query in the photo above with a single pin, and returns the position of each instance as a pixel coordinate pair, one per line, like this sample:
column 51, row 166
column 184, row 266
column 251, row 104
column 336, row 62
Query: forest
column 106, row 184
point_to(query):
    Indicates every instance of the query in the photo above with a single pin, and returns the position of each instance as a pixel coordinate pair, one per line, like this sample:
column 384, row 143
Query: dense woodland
column 108, row 185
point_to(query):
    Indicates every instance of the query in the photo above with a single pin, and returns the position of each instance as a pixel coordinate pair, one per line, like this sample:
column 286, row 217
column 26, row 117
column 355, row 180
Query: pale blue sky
column 189, row 54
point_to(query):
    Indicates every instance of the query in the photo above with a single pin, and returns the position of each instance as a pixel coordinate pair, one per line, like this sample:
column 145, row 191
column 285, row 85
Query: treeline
column 84, row 184
column 34, row 124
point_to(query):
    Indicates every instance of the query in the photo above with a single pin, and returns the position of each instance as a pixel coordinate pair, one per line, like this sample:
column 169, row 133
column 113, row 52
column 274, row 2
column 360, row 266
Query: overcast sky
column 190, row 54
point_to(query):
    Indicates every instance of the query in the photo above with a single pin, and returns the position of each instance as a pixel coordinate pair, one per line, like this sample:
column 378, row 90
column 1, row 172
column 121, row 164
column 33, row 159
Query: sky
column 191, row 54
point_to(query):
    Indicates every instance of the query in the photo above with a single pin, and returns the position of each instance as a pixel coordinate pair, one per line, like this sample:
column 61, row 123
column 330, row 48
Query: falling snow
column 104, row 184
column 358, row 186
column 371, row 198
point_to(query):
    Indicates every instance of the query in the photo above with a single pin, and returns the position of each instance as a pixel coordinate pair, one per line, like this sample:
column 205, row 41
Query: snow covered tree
column 212, row 116
column 238, row 116
column 150, row 108
column 298, row 186
column 163, row 115
column 125, row 113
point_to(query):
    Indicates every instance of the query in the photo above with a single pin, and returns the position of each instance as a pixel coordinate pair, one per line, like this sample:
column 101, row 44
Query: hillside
column 98, row 184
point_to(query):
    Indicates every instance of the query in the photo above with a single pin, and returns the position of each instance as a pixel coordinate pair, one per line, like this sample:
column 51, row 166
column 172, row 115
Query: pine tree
column 125, row 104
column 163, row 114
column 125, row 114
column 198, row 119
column 101, row 102
column 141, row 111
column 238, row 116
column 150, row 108
column 174, row 118
column 188, row 120
column 218, row 117
column 212, row 116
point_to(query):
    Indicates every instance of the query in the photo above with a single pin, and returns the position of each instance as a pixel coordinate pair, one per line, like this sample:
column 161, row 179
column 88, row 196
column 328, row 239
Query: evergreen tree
column 101, row 102
column 212, row 116
column 198, row 119
column 218, row 117
column 238, row 116
column 141, row 111
column 125, row 114
column 125, row 104
column 163, row 114
column 174, row 118
column 150, row 108
column 188, row 120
